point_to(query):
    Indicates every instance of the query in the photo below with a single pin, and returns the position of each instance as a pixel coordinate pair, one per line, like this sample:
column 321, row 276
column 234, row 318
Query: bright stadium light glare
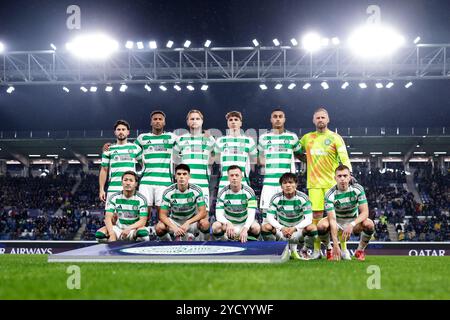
column 169, row 44
column 345, row 85
column 311, row 42
column 379, row 85
column 140, row 45
column 375, row 41
column 204, row 87
column 306, row 86
column 324, row 42
column 123, row 88
column 93, row 46
column 263, row 86
column 148, row 88
column 53, row 46
column 416, row 40
column 390, row 85
column 294, row 42
column 276, row 42
column 93, row 89
column 325, row 85
column 190, row 87
column 255, row 42
column 2, row 47
column 66, row 89
column 207, row 43
column 409, row 84
column 177, row 87
column 162, row 88
column 335, row 41
column 278, row 86
column 108, row 88
column 152, row 45
column 10, row 89
column 292, row 86
column 84, row 89
column 129, row 44
column 363, row 85
column 187, row 44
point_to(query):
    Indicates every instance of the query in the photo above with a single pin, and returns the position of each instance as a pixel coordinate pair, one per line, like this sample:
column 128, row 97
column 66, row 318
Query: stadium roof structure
column 361, row 142
column 223, row 64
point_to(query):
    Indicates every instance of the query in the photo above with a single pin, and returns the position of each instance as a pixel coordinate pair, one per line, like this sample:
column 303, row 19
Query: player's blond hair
column 236, row 114
column 321, row 109
column 194, row 111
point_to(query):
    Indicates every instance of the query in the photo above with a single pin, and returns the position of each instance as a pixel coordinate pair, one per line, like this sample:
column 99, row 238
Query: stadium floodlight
column 207, row 43
column 390, row 85
column 379, row 85
column 93, row 89
column 187, row 44
column 416, row 40
column 140, row 45
column 345, row 85
column 294, row 42
column 177, row 87
column 129, row 44
column 108, row 88
column 363, row 85
column 93, row 155
column 204, row 87
column 2, row 47
column 255, row 42
column 409, row 84
column 162, row 88
column 306, row 86
column 278, row 86
column 169, row 44
column 148, row 88
column 276, row 42
column 83, row 88
column 66, row 89
column 190, row 87
column 311, row 42
column 152, row 45
column 440, row 152
column 53, row 46
column 394, row 153
column 375, row 41
column 292, row 86
column 335, row 41
column 325, row 85
column 123, row 87
column 10, row 89
column 93, row 46
column 34, row 155
column 263, row 86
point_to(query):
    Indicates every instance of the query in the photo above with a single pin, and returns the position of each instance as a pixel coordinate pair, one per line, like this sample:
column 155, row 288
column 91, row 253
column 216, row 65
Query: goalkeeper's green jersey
column 324, row 152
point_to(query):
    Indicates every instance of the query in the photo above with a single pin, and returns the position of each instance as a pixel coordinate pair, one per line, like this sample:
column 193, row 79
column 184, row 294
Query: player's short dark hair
column 182, row 166
column 277, row 109
column 132, row 173
column 288, row 176
column 236, row 114
column 157, row 112
column 233, row 167
column 122, row 122
column 342, row 167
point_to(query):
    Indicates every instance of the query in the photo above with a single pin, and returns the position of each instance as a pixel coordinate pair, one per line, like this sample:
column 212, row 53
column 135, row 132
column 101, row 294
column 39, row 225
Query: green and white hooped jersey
column 119, row 159
column 128, row 210
column 278, row 150
column 289, row 212
column 345, row 203
column 157, row 157
column 182, row 205
column 236, row 205
column 195, row 151
column 235, row 151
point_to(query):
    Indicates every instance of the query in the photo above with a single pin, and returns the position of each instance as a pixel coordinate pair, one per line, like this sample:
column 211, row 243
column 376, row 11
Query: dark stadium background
column 33, row 25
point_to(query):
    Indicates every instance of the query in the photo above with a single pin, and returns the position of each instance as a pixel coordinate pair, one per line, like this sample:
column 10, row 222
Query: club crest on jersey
column 165, row 141
column 297, row 208
column 130, row 150
column 353, row 199
column 244, row 201
column 190, row 199
column 135, row 207
column 327, row 142
column 286, row 141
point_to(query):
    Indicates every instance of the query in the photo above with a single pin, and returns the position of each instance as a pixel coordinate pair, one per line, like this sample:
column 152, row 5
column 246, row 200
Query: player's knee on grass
column 160, row 229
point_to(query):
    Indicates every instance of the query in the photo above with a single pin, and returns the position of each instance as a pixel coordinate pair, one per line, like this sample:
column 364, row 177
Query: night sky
column 33, row 25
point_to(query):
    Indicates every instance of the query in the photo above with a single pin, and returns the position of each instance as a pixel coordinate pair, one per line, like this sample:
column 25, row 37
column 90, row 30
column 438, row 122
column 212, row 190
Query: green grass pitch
column 32, row 277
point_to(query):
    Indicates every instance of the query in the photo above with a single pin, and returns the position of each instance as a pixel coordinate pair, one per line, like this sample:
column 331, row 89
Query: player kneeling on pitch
column 131, row 209
column 235, row 210
column 290, row 215
column 183, row 210
column 348, row 212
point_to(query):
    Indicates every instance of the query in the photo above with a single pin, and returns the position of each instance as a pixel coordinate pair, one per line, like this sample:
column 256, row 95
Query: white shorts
column 293, row 239
column 193, row 227
column 118, row 231
column 342, row 223
column 237, row 230
column 153, row 194
column 267, row 193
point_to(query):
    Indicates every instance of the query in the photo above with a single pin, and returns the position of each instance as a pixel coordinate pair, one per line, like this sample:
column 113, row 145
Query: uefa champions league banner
column 375, row 248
